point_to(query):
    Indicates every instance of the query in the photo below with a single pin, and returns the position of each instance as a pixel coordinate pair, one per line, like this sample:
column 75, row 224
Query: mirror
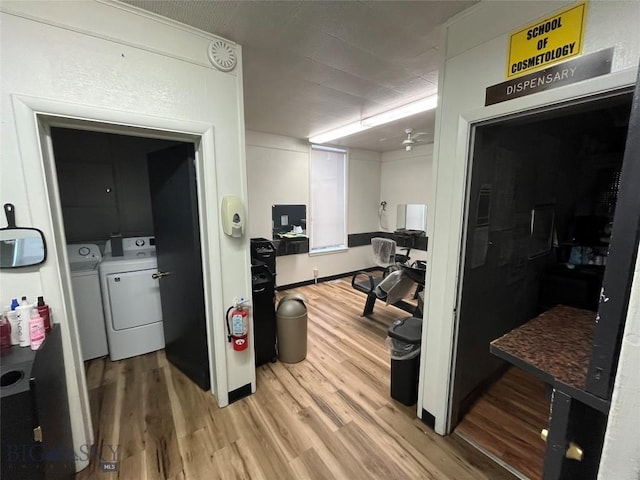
column 288, row 221
column 20, row 247
column 412, row 217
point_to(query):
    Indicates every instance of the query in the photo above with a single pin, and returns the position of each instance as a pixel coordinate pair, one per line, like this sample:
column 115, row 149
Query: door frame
column 34, row 117
column 437, row 362
column 531, row 113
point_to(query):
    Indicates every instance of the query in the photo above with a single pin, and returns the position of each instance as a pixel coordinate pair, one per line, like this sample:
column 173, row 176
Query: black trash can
column 404, row 343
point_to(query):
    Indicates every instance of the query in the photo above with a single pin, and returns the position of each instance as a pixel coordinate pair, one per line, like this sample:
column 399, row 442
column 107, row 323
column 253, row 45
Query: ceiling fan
column 412, row 139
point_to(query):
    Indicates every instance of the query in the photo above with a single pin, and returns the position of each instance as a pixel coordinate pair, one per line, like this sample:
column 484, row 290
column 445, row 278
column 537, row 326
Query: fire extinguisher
column 238, row 331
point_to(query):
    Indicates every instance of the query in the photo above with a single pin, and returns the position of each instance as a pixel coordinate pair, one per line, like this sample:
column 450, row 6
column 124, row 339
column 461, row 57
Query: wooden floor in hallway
column 327, row 417
column 507, row 419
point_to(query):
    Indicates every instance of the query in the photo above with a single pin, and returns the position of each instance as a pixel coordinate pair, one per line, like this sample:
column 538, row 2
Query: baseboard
column 239, row 393
column 326, row 279
column 428, row 419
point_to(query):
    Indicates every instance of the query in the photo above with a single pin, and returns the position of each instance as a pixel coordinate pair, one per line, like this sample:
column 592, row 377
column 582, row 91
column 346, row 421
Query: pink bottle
column 36, row 330
column 5, row 334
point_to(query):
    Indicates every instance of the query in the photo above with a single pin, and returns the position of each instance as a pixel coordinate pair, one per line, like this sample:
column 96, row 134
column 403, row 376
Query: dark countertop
column 555, row 346
column 16, row 359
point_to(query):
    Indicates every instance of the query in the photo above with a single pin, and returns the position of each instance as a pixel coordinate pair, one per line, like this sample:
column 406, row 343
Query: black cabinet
column 575, row 287
column 36, row 426
column 264, row 314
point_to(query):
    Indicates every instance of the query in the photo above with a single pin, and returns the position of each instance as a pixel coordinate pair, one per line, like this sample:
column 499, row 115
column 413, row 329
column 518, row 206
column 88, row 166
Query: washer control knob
column 84, row 251
column 140, row 242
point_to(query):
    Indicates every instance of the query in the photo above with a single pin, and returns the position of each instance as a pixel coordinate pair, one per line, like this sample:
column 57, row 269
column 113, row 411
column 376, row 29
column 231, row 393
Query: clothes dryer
column 84, row 260
column 131, row 299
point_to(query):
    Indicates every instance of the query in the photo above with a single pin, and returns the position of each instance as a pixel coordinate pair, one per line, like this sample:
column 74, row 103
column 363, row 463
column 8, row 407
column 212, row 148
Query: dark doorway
column 541, row 202
column 139, row 188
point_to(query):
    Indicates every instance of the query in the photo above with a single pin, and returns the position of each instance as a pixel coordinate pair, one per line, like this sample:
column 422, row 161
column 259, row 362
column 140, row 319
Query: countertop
column 555, row 346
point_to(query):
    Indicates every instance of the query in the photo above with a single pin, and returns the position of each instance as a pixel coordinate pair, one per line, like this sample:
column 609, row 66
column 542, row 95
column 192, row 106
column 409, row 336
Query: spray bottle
column 45, row 313
column 23, row 313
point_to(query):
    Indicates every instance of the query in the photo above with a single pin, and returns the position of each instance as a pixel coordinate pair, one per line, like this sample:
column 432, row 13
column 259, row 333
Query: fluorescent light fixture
column 354, row 127
column 428, row 103
column 419, row 106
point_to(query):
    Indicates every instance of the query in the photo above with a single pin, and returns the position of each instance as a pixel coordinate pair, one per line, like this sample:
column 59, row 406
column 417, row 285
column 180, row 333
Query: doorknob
column 160, row 274
column 574, row 452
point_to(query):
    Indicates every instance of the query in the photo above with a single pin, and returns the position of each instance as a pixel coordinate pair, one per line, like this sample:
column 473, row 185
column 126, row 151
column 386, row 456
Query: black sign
column 588, row 66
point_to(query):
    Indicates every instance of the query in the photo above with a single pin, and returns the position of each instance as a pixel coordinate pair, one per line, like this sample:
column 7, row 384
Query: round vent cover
column 222, row 55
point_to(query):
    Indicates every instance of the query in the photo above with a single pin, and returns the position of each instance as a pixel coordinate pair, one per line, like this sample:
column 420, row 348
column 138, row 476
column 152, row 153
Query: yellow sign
column 545, row 42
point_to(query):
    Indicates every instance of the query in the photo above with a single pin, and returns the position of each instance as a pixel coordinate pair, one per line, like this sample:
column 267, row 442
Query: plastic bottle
column 12, row 316
column 45, row 313
column 23, row 312
column 36, row 330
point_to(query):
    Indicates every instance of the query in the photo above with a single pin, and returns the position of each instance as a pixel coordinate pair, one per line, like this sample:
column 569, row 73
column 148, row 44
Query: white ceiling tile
column 310, row 66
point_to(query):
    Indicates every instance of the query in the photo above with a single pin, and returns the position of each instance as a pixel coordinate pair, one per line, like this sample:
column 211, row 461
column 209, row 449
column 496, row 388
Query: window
column 328, row 199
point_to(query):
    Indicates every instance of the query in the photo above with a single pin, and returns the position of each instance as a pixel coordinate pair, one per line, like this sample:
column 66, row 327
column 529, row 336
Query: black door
column 172, row 182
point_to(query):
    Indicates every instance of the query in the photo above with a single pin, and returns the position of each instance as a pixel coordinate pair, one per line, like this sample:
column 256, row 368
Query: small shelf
column 555, row 347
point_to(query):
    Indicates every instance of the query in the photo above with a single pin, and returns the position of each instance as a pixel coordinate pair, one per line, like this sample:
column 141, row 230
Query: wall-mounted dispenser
column 232, row 216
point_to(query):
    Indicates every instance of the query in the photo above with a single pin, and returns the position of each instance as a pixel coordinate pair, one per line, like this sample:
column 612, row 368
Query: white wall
column 406, row 178
column 278, row 173
column 475, row 56
column 365, row 173
column 112, row 59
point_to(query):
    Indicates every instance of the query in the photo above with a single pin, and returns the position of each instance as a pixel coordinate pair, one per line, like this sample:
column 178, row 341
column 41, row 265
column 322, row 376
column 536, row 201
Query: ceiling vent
column 222, row 55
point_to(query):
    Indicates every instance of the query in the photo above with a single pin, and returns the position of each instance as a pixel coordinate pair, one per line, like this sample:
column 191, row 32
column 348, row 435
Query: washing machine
column 84, row 260
column 131, row 299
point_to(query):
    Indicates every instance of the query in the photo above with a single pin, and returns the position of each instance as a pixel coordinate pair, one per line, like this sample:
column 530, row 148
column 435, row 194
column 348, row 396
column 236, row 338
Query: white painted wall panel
column 364, row 191
column 407, row 178
column 278, row 173
column 274, row 177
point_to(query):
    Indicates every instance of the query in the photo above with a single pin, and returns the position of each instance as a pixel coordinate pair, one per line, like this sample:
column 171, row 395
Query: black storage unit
column 264, row 312
column 36, row 426
column 577, row 287
column 263, row 250
column 406, row 335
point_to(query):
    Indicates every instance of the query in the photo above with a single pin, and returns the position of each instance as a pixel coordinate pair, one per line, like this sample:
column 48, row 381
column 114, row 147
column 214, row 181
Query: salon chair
column 397, row 272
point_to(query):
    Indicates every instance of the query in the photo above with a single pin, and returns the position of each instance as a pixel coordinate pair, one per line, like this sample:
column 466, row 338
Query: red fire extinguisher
column 238, row 331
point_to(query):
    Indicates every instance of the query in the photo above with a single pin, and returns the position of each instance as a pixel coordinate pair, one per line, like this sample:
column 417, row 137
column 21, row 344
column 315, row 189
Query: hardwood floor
column 328, row 417
column 506, row 421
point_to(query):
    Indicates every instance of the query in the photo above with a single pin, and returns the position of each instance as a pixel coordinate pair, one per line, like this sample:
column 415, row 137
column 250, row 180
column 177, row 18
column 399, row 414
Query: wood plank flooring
column 328, row 417
column 506, row 421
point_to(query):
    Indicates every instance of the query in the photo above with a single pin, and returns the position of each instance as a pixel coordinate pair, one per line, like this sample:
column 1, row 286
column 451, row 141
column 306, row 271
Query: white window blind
column 328, row 198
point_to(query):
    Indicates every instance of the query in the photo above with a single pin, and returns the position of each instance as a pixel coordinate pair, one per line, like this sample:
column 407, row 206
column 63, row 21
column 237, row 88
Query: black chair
column 366, row 283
